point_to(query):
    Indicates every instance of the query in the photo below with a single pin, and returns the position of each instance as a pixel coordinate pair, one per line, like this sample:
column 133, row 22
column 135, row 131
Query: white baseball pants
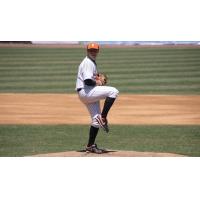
column 91, row 97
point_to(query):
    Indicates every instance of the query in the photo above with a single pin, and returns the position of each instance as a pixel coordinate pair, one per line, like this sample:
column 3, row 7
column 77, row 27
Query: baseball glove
column 101, row 79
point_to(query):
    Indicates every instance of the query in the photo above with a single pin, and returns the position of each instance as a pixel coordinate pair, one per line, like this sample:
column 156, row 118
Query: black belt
column 79, row 89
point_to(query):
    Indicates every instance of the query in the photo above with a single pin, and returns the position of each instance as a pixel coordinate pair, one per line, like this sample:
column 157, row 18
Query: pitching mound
column 109, row 153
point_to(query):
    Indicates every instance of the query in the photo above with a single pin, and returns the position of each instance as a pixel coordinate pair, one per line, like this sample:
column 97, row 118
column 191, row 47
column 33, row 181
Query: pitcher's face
column 92, row 53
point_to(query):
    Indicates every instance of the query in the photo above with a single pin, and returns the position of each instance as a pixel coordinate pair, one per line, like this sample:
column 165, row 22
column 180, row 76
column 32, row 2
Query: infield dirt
column 128, row 109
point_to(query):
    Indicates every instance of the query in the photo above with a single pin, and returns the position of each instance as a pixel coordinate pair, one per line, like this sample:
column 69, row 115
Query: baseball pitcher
column 91, row 88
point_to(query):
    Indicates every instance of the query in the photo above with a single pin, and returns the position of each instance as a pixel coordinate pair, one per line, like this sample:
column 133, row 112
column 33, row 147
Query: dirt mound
column 111, row 153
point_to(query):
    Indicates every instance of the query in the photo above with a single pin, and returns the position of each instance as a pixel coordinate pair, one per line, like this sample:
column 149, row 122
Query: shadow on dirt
column 104, row 151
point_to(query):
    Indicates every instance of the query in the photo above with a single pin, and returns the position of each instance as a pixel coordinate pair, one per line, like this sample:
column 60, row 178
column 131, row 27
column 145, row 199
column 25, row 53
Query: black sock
column 92, row 135
column 107, row 105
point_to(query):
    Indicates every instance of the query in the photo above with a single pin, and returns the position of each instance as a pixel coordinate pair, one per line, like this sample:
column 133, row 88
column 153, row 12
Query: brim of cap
column 93, row 48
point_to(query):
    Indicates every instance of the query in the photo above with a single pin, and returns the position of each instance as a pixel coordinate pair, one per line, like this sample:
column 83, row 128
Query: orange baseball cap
column 93, row 45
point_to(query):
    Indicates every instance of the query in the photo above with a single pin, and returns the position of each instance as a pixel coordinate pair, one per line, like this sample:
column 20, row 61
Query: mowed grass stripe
column 127, row 69
column 134, row 80
column 181, row 74
column 41, row 51
column 105, row 67
column 37, row 63
column 124, row 82
column 123, row 53
column 159, row 81
column 65, row 88
column 150, row 71
column 146, row 57
column 113, row 77
column 153, row 50
column 70, row 76
column 106, row 53
column 60, row 87
column 42, row 70
column 161, row 89
column 164, row 62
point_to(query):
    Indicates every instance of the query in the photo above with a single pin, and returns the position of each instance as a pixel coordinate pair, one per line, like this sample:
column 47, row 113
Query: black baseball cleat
column 94, row 149
column 103, row 122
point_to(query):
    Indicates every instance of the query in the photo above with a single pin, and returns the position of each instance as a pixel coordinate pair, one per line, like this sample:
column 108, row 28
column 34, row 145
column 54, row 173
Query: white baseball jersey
column 87, row 70
column 91, row 95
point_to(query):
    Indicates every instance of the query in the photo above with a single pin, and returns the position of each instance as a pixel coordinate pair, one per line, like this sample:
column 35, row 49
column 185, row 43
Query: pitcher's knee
column 95, row 123
column 113, row 93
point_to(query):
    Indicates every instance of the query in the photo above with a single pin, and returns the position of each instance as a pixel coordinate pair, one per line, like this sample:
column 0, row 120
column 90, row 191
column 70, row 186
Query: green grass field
column 29, row 140
column 132, row 70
